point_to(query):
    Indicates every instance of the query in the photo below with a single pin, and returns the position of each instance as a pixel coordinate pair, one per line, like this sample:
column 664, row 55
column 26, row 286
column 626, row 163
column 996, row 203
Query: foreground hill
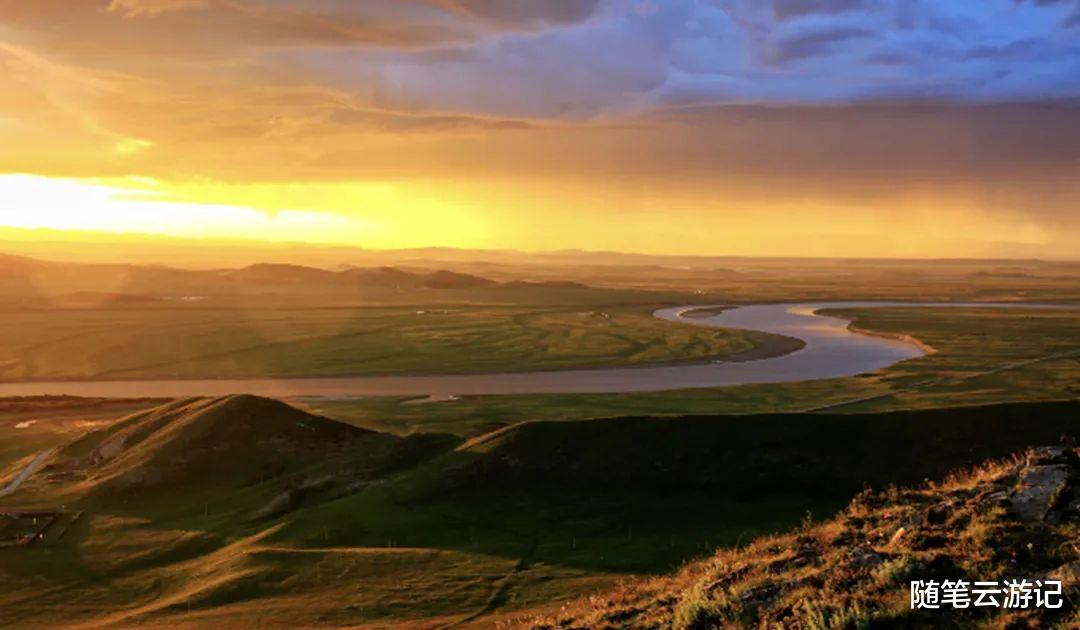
column 752, row 455
column 1013, row 520
column 243, row 511
column 255, row 456
column 189, row 440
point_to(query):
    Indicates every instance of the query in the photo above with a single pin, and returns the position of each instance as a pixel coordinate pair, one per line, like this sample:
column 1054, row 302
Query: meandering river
column 832, row 350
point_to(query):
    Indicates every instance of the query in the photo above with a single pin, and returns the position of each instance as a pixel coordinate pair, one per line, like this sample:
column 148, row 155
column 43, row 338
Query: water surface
column 831, row 351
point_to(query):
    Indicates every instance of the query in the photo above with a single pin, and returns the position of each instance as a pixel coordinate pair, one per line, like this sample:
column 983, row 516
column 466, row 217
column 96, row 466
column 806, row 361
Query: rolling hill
column 119, row 283
column 205, row 439
column 240, row 510
column 272, row 455
column 765, row 453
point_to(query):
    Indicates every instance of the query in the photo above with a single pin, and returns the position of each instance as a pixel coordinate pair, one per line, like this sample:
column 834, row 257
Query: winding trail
column 832, row 350
column 26, row 473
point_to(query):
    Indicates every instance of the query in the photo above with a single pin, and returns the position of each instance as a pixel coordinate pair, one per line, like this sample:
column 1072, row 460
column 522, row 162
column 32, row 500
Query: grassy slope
column 854, row 571
column 205, row 441
column 770, row 453
column 29, row 425
column 526, row 517
column 163, row 514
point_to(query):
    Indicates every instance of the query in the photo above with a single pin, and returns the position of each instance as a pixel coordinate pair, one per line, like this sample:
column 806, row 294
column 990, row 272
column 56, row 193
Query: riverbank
column 830, row 350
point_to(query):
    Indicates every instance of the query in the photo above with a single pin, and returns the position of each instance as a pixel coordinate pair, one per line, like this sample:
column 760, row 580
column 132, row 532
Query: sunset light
column 38, row 202
column 455, row 124
column 540, row 314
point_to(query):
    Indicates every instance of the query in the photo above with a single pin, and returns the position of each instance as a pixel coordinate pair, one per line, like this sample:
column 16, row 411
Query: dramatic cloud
column 815, row 43
column 787, row 9
column 523, row 11
column 846, row 104
column 135, row 8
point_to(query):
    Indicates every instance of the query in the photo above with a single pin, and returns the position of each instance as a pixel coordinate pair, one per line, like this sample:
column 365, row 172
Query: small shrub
column 696, row 611
column 894, row 572
column 818, row 615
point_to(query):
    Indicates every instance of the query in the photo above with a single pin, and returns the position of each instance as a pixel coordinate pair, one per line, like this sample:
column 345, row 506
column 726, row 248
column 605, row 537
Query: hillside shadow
column 642, row 494
column 624, row 496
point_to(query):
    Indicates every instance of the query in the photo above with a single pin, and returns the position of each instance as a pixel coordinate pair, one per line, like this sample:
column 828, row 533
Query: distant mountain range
column 146, row 249
column 98, row 283
column 381, row 277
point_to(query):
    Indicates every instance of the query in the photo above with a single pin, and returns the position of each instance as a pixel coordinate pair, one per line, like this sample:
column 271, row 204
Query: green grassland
column 241, row 511
column 433, row 529
column 983, row 355
column 130, row 322
column 223, row 343
column 973, row 345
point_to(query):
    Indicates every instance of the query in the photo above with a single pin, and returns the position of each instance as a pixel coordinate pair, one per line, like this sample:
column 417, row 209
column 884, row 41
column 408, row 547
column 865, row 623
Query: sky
column 900, row 128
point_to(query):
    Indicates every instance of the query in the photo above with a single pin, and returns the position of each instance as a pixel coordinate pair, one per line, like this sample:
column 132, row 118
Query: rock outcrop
column 1045, row 485
column 1012, row 520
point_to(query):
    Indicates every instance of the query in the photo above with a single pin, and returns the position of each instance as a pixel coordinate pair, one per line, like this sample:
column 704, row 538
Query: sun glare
column 33, row 202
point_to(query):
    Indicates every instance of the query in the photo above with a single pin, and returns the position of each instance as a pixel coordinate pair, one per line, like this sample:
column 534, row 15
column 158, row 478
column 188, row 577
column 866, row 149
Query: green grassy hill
column 243, row 510
column 751, row 455
column 209, row 441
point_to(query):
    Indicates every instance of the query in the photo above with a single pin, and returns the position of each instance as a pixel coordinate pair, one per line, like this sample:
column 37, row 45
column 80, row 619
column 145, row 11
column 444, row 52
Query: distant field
column 984, row 356
column 31, row 425
column 972, row 344
column 236, row 343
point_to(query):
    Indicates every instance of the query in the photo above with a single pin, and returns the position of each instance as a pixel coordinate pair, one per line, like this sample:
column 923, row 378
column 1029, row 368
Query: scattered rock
column 816, row 577
column 864, row 556
column 995, row 499
column 938, row 514
column 1050, row 455
column 1035, row 493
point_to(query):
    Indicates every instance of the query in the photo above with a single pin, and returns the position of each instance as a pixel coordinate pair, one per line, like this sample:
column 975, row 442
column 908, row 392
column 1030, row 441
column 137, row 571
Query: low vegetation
column 232, row 343
column 1013, row 520
column 32, row 424
column 485, row 510
column 291, row 518
column 984, row 356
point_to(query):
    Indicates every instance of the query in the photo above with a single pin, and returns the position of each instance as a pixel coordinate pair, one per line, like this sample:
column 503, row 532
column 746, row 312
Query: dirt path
column 502, row 589
column 26, row 473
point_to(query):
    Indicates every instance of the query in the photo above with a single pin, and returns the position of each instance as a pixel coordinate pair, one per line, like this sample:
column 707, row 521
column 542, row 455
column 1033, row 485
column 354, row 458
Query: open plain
column 470, row 510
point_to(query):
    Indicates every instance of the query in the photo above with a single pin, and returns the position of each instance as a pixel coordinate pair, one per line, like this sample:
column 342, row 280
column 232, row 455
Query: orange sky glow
column 280, row 124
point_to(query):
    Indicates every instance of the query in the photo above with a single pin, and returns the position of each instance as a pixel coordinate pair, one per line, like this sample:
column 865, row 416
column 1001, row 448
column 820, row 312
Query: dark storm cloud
column 1071, row 20
column 814, row 43
column 574, row 59
column 1019, row 49
column 786, row 9
column 885, row 140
